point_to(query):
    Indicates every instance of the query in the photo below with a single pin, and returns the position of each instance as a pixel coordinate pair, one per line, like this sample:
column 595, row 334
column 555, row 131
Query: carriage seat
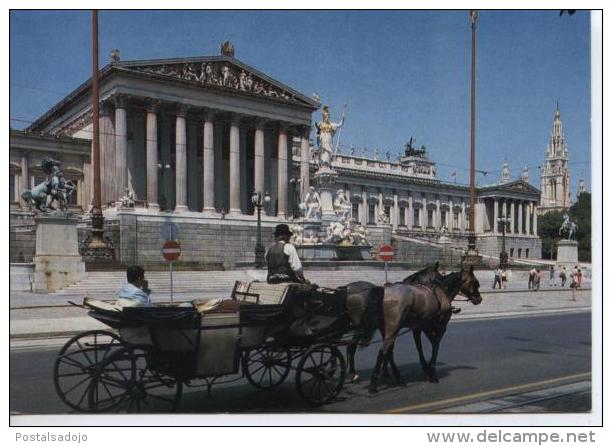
column 101, row 305
column 262, row 293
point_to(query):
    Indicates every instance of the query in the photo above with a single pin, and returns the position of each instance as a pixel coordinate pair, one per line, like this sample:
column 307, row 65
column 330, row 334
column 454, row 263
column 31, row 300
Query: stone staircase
column 194, row 284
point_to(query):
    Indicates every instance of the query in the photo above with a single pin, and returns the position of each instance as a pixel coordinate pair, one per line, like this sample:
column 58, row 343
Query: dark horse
column 369, row 297
column 422, row 309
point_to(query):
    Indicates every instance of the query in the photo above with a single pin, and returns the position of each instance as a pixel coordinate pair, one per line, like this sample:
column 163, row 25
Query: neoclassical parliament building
column 190, row 140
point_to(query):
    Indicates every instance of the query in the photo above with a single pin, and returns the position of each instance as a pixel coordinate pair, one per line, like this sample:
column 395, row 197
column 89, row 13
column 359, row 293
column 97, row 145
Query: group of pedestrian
column 500, row 277
column 535, row 276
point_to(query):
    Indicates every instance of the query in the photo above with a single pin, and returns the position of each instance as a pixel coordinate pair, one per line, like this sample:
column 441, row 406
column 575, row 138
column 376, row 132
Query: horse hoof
column 355, row 378
column 372, row 389
column 433, row 379
column 401, row 383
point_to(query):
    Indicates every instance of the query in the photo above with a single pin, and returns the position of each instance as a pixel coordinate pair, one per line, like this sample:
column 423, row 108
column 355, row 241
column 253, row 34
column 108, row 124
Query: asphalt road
column 478, row 359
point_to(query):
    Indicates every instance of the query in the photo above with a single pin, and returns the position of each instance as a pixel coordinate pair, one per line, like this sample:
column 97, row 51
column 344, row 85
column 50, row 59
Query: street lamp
column 295, row 183
column 259, row 202
column 503, row 255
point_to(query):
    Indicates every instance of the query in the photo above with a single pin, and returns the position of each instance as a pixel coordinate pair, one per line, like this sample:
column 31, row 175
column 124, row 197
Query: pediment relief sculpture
column 220, row 75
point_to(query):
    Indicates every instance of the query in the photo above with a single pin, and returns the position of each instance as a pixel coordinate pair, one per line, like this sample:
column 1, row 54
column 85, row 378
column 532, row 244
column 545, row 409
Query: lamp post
column 258, row 203
column 472, row 234
column 295, row 183
column 503, row 255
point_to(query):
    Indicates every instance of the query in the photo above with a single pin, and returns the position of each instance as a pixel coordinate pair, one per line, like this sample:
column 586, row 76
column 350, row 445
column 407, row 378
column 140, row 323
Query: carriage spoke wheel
column 76, row 365
column 266, row 368
column 320, row 374
column 126, row 381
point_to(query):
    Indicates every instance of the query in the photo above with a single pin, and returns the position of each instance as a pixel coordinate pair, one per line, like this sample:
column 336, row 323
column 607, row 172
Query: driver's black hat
column 282, row 229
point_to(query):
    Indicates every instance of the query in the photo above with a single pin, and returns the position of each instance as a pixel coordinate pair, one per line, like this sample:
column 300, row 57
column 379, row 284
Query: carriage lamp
column 503, row 255
column 258, row 203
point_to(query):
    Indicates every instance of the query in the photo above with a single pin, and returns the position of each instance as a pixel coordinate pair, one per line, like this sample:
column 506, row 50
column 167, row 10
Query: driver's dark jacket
column 279, row 269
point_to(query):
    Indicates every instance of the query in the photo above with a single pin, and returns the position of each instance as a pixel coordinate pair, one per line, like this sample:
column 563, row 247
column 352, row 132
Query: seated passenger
column 137, row 288
column 282, row 259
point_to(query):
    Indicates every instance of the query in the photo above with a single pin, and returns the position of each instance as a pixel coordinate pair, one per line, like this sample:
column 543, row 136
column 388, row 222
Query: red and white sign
column 171, row 250
column 386, row 253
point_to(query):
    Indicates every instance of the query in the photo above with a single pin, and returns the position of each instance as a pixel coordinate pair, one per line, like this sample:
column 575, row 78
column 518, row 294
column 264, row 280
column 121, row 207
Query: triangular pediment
column 220, row 73
column 520, row 186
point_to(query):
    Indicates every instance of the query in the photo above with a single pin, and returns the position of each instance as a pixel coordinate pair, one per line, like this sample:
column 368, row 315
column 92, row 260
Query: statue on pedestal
column 325, row 134
column 312, row 205
column 383, row 218
column 342, row 206
column 568, row 227
column 127, row 201
column 53, row 193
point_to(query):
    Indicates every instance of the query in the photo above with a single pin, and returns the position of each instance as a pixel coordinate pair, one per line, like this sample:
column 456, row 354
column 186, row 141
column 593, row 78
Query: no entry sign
column 171, row 250
column 386, row 253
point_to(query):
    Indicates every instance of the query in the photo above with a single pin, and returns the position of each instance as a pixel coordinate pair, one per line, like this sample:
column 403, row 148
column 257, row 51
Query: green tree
column 580, row 213
column 548, row 231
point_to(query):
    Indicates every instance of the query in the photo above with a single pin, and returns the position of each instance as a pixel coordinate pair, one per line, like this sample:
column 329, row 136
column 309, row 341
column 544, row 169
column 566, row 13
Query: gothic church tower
column 554, row 176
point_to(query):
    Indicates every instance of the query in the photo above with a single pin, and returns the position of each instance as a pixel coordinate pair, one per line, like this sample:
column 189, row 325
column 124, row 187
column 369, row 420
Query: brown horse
column 369, row 296
column 422, row 309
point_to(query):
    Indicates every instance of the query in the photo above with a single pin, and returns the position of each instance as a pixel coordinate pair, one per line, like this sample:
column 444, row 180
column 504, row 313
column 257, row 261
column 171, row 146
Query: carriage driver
column 282, row 259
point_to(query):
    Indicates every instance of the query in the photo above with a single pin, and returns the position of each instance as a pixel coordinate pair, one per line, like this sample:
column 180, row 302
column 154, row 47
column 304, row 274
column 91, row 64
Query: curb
column 465, row 318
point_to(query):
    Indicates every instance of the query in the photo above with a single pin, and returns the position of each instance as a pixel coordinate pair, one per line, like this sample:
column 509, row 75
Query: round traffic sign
column 171, row 250
column 386, row 253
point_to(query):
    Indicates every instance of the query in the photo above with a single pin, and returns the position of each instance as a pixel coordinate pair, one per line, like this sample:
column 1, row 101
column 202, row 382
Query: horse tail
column 372, row 315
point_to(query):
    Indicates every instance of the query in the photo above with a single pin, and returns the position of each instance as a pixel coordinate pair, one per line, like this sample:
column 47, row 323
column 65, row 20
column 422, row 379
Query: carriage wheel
column 126, row 380
column 76, row 364
column 320, row 374
column 266, row 368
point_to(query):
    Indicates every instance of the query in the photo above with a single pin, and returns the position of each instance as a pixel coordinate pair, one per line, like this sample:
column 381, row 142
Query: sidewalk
column 42, row 316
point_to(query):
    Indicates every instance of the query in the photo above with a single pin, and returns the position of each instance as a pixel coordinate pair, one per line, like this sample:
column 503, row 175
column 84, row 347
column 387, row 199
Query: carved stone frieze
column 222, row 75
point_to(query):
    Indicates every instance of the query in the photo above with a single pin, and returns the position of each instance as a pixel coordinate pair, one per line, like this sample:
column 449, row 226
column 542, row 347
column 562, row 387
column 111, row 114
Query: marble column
column 259, row 177
column 410, row 213
column 438, row 215
column 462, row 218
column 245, row 190
column 107, row 155
column 283, row 176
column 193, row 173
column 505, row 215
column 208, row 156
column 364, row 207
column 234, row 166
column 151, row 144
column 24, row 181
column 535, row 220
column 381, row 205
column 528, row 218
column 495, row 216
column 423, row 213
column 512, row 217
column 395, row 220
column 450, row 215
column 304, row 161
column 181, row 160
column 520, row 217
column 121, row 141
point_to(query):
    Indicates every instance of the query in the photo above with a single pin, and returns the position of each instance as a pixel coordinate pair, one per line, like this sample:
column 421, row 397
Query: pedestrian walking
column 536, row 280
column 551, row 278
column 573, row 285
column 497, row 277
column 579, row 279
column 563, row 276
column 504, row 278
column 532, row 273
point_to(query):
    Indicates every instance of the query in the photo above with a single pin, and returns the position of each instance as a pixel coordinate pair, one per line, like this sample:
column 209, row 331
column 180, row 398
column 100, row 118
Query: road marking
column 488, row 393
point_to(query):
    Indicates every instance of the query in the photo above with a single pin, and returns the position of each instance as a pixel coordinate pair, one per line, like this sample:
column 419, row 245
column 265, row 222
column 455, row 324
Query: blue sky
column 401, row 73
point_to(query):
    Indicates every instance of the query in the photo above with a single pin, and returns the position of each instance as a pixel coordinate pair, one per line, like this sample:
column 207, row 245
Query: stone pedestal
column 325, row 179
column 57, row 262
column 567, row 253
